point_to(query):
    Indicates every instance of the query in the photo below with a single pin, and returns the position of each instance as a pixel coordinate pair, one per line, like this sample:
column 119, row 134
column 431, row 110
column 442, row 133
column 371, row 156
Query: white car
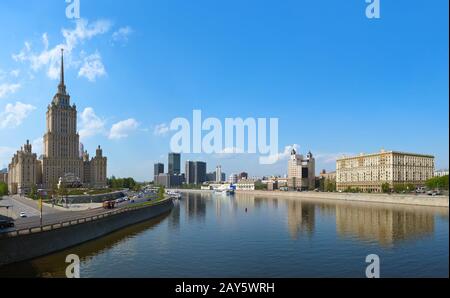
column 23, row 215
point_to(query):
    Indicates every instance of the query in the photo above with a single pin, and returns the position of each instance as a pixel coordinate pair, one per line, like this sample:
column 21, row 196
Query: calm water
column 214, row 236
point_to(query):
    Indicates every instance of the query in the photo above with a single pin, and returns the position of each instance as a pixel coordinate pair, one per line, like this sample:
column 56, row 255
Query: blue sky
column 338, row 82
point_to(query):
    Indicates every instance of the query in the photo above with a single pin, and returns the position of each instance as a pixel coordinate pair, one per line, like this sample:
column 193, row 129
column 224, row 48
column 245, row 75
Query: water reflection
column 54, row 265
column 195, row 206
column 301, row 218
column 383, row 225
column 215, row 235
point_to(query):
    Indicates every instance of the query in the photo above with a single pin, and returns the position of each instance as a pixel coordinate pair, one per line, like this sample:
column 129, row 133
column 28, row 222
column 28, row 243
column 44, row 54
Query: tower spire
column 62, row 86
column 62, row 67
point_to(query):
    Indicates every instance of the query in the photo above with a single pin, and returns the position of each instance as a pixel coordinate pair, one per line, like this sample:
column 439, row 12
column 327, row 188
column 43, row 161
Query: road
column 50, row 215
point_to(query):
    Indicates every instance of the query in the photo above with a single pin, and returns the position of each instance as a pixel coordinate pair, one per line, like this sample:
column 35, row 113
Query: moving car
column 109, row 205
column 23, row 215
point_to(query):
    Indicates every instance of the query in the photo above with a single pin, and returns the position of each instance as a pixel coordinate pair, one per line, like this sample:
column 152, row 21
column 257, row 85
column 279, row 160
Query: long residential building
column 369, row 172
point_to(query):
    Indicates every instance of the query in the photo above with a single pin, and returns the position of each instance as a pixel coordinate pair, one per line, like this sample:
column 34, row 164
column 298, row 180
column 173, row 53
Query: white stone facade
column 370, row 172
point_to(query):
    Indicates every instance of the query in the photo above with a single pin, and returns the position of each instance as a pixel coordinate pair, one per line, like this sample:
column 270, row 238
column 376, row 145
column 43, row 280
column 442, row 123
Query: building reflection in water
column 384, row 225
column 301, row 218
column 174, row 218
column 54, row 265
column 195, row 206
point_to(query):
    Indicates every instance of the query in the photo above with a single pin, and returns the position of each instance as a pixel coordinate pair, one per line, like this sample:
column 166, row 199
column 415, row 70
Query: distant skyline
column 338, row 82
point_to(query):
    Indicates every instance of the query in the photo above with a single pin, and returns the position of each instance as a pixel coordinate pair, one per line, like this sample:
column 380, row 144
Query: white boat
column 225, row 190
column 174, row 195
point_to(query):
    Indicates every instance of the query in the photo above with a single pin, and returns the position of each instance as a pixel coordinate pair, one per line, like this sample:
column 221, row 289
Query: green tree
column 330, row 186
column 323, row 184
column 385, row 188
column 3, row 189
column 161, row 193
column 260, row 186
column 33, row 193
column 438, row 183
column 62, row 191
column 399, row 188
column 410, row 187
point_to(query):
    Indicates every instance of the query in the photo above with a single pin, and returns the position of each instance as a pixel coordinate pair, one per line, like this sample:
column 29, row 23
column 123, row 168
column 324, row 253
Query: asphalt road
column 50, row 215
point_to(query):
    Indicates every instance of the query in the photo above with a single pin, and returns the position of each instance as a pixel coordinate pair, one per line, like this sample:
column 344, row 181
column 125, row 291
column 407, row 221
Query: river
column 209, row 235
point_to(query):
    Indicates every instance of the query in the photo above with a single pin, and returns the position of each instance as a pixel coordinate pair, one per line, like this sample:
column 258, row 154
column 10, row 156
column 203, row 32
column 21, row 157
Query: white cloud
column 85, row 31
column 122, row 129
column 14, row 114
column 161, row 129
column 15, row 73
column 92, row 67
column 6, row 89
column 331, row 157
column 49, row 58
column 91, row 124
column 122, row 34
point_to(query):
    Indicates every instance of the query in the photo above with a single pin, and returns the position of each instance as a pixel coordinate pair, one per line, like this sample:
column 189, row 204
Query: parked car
column 421, row 190
column 23, row 215
column 434, row 193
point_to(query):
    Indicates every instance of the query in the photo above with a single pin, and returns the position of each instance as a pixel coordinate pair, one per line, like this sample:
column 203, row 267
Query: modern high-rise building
column 195, row 172
column 368, row 172
column 211, row 177
column 301, row 171
column 174, row 163
column 219, row 174
column 189, row 172
column 62, row 157
column 158, row 169
column 169, row 181
column 200, row 172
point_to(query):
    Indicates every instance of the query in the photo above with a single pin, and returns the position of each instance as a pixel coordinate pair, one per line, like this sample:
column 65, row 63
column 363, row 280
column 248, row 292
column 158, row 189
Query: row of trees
column 120, row 183
column 398, row 188
column 326, row 185
column 438, row 183
column 54, row 192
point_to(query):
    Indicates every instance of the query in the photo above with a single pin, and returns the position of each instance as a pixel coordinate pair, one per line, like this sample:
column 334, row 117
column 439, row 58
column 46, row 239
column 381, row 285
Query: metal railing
column 74, row 222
